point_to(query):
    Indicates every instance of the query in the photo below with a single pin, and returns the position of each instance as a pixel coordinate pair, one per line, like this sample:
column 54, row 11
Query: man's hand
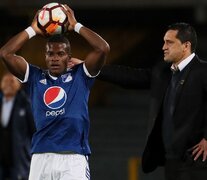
column 71, row 17
column 73, row 62
column 200, row 150
column 34, row 25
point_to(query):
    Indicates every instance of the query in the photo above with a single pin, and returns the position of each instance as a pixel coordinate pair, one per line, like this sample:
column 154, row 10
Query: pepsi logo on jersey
column 54, row 98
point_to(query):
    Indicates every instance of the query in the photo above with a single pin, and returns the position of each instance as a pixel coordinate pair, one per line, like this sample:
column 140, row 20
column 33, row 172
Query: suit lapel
column 164, row 83
column 162, row 78
column 183, row 79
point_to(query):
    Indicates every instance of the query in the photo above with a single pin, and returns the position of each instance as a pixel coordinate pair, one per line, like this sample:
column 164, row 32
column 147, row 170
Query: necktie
column 174, row 69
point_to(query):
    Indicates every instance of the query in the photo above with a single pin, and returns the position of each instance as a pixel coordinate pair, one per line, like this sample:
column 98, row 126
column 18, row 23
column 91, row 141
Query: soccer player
column 59, row 99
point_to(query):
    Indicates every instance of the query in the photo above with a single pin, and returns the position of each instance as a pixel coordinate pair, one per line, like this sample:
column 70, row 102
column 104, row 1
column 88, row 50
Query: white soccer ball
column 52, row 19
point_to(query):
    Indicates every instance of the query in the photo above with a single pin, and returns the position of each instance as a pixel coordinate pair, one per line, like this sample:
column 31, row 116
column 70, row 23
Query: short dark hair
column 185, row 33
column 59, row 38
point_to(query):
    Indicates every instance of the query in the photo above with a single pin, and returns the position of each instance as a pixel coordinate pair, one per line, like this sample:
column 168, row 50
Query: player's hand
column 34, row 25
column 73, row 61
column 200, row 149
column 71, row 17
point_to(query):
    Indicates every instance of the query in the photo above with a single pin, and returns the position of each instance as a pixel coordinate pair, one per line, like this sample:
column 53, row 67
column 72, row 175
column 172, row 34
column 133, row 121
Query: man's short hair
column 185, row 33
column 59, row 38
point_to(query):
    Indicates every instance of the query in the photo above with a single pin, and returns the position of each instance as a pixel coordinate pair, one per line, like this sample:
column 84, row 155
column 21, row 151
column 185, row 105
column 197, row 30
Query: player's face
column 57, row 57
column 174, row 49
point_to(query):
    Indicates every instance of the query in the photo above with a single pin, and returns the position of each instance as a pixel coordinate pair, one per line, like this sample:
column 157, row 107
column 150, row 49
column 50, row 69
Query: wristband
column 77, row 27
column 30, row 31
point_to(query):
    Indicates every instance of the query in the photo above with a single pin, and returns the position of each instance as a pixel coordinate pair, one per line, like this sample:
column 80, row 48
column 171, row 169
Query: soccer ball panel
column 58, row 15
column 54, row 28
column 43, row 17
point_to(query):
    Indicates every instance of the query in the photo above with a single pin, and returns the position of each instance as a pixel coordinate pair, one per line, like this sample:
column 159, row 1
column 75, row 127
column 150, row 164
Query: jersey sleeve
column 31, row 77
column 87, row 73
column 89, row 80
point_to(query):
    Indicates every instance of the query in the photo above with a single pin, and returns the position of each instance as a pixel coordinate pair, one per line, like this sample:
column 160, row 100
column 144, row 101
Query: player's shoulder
column 77, row 66
column 76, row 69
column 35, row 68
column 36, row 72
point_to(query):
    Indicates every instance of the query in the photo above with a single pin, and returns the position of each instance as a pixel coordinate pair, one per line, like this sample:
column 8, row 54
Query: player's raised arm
column 96, row 58
column 16, row 64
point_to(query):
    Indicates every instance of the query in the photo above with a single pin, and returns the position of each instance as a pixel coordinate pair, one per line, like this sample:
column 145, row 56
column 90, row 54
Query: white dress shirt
column 6, row 109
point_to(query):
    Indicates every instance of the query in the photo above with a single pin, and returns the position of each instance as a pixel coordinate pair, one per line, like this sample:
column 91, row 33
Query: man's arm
column 17, row 65
column 200, row 149
column 126, row 77
column 96, row 58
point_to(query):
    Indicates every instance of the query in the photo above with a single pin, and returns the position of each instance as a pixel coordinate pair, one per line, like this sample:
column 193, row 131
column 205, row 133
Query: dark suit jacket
column 190, row 113
column 21, row 130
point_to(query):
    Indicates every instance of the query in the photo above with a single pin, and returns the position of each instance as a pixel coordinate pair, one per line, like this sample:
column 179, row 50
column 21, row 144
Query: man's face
column 57, row 57
column 9, row 85
column 174, row 49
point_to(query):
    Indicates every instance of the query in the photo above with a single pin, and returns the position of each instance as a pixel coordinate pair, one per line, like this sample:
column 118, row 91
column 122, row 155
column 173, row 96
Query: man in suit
column 178, row 110
column 16, row 129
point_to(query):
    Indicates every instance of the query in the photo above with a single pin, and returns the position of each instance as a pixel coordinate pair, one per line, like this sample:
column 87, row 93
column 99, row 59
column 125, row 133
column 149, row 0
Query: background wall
column 105, row 3
column 134, row 30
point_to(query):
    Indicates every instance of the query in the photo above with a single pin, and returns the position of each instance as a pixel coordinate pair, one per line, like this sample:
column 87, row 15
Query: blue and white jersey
column 60, row 109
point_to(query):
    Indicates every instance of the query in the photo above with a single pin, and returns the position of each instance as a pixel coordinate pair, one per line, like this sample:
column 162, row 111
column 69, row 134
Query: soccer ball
column 52, row 20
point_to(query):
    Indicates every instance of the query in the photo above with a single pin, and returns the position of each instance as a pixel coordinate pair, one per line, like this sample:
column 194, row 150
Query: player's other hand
column 71, row 17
